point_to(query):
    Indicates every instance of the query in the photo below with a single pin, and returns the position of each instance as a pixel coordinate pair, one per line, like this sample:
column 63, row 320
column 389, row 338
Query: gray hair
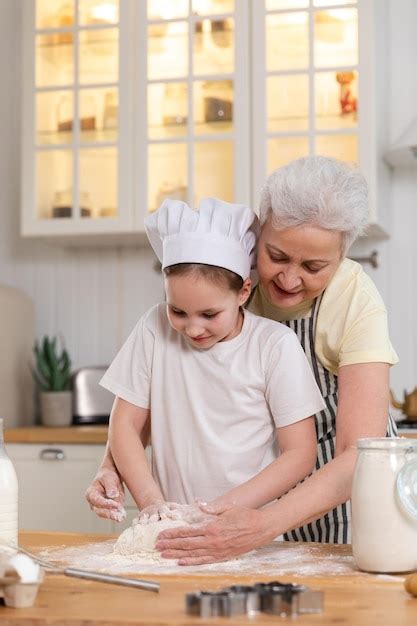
column 319, row 191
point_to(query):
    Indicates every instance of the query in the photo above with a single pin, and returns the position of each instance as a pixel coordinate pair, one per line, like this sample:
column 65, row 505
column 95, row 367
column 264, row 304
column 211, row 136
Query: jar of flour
column 384, row 505
column 8, row 498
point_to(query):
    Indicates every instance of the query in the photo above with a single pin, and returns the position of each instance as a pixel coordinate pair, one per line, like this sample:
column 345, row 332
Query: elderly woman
column 311, row 212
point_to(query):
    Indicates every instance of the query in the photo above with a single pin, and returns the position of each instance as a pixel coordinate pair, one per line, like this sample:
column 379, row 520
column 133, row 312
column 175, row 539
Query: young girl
column 230, row 395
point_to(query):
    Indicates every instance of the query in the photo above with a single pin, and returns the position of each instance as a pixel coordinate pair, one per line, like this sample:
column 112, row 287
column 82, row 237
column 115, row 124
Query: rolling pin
column 411, row 584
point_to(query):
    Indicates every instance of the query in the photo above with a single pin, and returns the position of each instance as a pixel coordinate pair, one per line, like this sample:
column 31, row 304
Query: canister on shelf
column 218, row 104
column 62, row 206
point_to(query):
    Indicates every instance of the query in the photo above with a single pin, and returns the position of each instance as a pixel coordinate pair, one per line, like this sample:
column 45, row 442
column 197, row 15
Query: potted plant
column 52, row 373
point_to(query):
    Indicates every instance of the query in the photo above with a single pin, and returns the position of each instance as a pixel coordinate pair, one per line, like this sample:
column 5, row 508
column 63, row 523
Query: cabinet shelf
column 64, row 139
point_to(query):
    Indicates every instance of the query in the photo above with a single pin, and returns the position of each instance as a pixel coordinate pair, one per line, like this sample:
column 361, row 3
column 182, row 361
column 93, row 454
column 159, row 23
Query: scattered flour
column 277, row 559
column 138, row 541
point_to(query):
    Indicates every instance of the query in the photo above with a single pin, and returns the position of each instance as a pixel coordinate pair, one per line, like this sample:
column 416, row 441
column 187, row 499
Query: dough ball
column 140, row 539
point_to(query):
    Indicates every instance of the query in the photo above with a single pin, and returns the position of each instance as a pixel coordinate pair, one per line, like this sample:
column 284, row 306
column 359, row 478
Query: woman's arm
column 362, row 412
column 297, row 445
column 127, row 422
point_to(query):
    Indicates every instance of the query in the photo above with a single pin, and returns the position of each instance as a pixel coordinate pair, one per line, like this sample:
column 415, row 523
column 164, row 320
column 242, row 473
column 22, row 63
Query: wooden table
column 349, row 600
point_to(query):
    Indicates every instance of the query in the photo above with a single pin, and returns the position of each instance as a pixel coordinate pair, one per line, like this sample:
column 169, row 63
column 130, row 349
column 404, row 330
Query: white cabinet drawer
column 52, row 482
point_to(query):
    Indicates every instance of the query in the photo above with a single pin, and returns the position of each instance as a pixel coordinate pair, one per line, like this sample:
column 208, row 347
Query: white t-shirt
column 213, row 412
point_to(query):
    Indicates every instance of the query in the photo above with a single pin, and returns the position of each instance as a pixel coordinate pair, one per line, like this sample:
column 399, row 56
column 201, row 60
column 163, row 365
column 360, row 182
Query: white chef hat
column 217, row 233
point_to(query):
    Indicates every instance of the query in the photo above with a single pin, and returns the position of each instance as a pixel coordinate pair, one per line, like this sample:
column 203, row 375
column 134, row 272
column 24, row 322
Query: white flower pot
column 56, row 408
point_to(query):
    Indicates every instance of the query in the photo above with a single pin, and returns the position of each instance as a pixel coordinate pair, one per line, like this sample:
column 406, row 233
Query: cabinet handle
column 52, row 454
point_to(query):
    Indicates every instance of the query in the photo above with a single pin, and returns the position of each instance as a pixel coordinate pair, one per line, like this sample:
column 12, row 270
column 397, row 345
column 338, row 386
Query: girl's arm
column 105, row 494
column 127, row 422
column 297, row 444
column 362, row 412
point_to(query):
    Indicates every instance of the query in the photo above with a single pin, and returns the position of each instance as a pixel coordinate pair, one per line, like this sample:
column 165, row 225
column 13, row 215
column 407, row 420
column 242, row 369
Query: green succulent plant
column 52, row 371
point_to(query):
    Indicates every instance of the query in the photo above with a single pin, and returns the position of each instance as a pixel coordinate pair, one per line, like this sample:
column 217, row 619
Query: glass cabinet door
column 196, row 82
column 73, row 131
column 306, row 89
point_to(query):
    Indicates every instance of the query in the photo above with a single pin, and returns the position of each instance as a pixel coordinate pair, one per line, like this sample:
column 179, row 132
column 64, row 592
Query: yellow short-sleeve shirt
column 352, row 325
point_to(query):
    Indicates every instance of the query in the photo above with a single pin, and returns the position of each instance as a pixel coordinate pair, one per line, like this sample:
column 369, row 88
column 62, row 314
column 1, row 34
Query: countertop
column 355, row 600
column 88, row 434
column 71, row 434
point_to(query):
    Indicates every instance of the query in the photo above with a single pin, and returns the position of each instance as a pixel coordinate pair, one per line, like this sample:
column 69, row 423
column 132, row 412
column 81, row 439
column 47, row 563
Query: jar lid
column 393, row 444
column 407, row 488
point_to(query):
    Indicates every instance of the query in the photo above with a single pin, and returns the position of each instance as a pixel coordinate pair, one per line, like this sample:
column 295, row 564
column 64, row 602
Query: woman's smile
column 296, row 264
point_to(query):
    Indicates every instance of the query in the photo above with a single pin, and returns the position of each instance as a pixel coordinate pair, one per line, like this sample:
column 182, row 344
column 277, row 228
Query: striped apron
column 334, row 527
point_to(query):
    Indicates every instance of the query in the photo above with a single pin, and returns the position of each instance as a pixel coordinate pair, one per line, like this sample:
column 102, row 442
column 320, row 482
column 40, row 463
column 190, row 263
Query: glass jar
column 8, row 498
column 384, row 505
column 218, row 101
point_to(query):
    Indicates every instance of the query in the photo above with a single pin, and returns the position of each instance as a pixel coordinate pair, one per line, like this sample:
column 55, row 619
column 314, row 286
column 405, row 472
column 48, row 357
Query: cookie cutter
column 290, row 600
column 274, row 598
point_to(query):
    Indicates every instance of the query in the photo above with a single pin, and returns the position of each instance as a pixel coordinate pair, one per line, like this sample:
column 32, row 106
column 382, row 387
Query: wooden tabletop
column 354, row 600
column 70, row 434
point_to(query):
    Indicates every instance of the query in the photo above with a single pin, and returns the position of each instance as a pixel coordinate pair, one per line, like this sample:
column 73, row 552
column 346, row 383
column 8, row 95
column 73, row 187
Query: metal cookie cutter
column 283, row 599
column 289, row 600
column 207, row 603
column 235, row 600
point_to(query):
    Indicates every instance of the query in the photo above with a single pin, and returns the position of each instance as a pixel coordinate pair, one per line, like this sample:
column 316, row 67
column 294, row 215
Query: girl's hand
column 106, row 495
column 187, row 513
column 156, row 511
column 232, row 532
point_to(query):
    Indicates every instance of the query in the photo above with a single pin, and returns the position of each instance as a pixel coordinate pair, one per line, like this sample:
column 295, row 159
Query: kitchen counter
column 87, row 434
column 70, row 434
column 348, row 600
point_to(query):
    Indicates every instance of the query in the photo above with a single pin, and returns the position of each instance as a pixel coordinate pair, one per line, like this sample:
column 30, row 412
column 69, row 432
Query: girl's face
column 296, row 264
column 203, row 312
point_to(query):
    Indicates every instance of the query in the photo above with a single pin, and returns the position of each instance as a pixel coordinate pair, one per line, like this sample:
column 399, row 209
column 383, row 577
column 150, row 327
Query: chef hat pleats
column 217, row 233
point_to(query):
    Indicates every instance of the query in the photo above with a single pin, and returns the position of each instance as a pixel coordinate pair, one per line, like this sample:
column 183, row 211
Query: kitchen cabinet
column 319, row 87
column 127, row 103
column 52, row 481
column 53, row 478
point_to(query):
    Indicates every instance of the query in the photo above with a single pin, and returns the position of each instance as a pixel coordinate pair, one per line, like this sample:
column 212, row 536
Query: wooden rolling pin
column 411, row 584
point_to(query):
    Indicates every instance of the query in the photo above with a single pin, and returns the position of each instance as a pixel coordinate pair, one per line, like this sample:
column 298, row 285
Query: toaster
column 92, row 403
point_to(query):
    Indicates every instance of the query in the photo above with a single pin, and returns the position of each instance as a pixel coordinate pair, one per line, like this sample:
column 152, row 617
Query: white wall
column 93, row 297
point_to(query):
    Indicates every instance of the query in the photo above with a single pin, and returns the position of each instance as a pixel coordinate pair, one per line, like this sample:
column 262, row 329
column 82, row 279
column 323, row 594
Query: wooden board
column 62, row 601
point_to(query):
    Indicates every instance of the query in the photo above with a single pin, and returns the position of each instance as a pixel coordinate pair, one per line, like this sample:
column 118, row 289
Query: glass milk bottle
column 8, row 496
column 384, row 505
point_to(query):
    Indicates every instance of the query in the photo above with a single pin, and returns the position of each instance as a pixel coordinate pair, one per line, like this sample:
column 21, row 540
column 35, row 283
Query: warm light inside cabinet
column 312, row 79
column 76, row 108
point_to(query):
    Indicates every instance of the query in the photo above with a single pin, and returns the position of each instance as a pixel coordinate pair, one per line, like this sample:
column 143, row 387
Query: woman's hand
column 232, row 532
column 106, row 495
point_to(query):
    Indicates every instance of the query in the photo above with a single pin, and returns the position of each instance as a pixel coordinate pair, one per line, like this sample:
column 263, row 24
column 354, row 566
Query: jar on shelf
column 218, row 101
column 65, row 113
column 384, row 505
column 110, row 113
column 62, row 205
column 64, row 18
column 88, row 108
column 175, row 104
